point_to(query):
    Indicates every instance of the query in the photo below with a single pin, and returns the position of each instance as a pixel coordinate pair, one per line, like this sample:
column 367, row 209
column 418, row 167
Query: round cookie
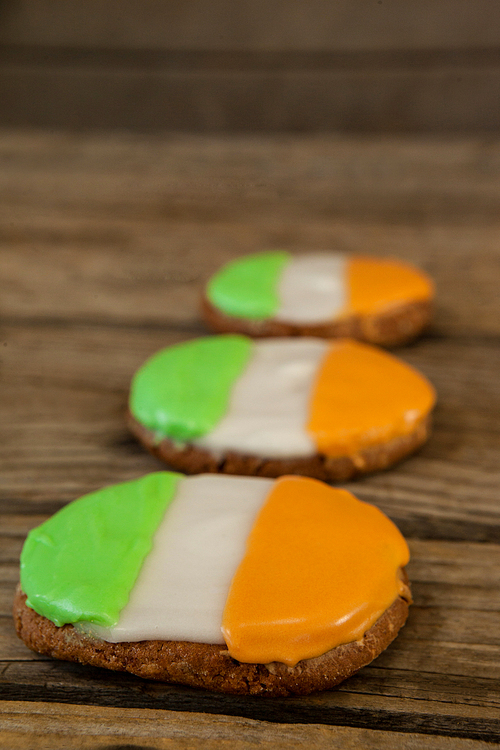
column 268, row 407
column 155, row 576
column 274, row 293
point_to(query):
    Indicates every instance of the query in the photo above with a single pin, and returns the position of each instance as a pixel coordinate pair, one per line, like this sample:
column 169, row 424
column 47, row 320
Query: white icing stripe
column 204, row 530
column 313, row 288
column 269, row 406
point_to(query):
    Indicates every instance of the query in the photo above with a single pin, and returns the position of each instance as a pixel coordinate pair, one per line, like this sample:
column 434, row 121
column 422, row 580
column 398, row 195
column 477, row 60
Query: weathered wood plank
column 9, row 578
column 155, row 178
column 10, row 549
column 7, row 589
column 354, row 84
column 192, row 178
column 33, row 725
column 17, row 526
column 279, row 24
column 126, row 229
column 447, row 715
column 412, row 95
column 9, row 643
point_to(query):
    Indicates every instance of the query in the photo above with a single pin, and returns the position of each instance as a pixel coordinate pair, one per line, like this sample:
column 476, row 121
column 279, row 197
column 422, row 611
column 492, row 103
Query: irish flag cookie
column 235, row 584
column 267, row 407
column 275, row 293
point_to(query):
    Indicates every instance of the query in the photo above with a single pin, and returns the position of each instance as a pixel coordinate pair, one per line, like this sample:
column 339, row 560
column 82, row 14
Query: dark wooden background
column 252, row 65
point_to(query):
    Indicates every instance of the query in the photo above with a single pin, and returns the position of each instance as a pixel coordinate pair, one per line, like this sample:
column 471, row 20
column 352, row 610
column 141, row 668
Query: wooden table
column 104, row 243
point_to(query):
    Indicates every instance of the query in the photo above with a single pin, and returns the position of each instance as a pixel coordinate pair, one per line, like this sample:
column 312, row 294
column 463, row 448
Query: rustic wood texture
column 38, row 726
column 257, row 24
column 213, row 65
column 204, row 92
column 104, row 242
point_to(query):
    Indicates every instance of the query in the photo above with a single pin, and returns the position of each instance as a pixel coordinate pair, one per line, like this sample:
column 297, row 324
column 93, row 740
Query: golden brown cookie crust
column 396, row 325
column 209, row 666
column 191, row 459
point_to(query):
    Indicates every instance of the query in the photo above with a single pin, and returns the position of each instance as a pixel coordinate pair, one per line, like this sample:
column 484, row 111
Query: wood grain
column 251, row 66
column 365, row 94
column 275, row 24
column 104, row 241
column 35, row 725
column 123, row 229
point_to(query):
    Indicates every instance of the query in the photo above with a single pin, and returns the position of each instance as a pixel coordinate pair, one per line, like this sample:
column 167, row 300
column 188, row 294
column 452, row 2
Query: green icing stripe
column 82, row 563
column 248, row 287
column 182, row 392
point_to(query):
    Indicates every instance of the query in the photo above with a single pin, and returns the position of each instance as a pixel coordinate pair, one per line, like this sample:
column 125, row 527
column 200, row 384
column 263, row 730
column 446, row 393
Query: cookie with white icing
column 274, row 293
column 241, row 585
column 266, row 407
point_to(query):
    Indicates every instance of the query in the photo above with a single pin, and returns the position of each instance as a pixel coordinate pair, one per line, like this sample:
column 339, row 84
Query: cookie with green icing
column 274, row 293
column 268, row 407
column 217, row 582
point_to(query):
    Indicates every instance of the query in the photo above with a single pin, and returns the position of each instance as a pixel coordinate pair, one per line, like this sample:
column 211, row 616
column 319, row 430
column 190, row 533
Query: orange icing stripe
column 320, row 568
column 363, row 397
column 375, row 284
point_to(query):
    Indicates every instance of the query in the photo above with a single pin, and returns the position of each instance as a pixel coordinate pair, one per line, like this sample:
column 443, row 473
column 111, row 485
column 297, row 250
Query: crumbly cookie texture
column 191, row 459
column 210, row 666
column 397, row 325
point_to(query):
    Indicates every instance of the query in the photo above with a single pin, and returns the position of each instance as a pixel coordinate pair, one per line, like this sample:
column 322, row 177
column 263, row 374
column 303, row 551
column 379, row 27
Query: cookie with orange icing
column 236, row 584
column 379, row 300
column 266, row 407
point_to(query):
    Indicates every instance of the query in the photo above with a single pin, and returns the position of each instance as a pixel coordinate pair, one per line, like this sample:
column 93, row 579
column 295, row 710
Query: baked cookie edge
column 191, row 459
column 210, row 666
column 397, row 325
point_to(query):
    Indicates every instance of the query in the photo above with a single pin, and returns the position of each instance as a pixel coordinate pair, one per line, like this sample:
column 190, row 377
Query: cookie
column 235, row 584
column 267, row 407
column 274, row 293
